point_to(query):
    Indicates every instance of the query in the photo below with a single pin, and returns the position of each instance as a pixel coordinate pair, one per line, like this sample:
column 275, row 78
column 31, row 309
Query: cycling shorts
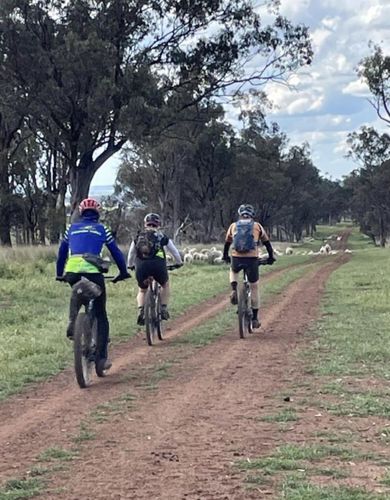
column 155, row 267
column 250, row 265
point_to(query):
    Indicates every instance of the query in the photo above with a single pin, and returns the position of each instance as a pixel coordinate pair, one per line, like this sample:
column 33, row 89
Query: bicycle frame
column 244, row 303
column 152, row 308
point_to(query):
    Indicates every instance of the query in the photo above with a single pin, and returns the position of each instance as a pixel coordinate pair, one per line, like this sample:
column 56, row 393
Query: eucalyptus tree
column 369, row 184
column 375, row 69
column 101, row 70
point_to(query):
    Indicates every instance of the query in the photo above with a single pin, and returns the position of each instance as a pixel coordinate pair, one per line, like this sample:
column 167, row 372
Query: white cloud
column 319, row 38
column 331, row 23
column 357, row 88
column 290, row 8
column 341, row 147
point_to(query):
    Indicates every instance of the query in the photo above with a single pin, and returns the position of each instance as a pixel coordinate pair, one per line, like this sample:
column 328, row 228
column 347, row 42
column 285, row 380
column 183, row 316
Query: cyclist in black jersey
column 147, row 256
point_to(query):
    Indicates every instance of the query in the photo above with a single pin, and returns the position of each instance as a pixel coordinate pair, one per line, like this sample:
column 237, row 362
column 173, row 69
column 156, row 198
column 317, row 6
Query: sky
column 326, row 100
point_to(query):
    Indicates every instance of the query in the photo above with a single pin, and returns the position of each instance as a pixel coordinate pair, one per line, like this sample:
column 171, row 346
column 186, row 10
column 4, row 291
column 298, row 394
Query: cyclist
column 147, row 256
column 245, row 235
column 80, row 248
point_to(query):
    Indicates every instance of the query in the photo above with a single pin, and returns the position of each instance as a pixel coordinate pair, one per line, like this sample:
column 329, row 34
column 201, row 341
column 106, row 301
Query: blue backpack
column 243, row 240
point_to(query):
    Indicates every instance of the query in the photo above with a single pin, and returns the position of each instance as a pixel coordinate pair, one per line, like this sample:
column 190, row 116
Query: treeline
column 202, row 170
column 82, row 78
column 368, row 187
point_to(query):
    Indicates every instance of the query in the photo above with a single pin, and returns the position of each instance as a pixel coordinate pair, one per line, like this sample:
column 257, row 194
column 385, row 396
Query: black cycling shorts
column 250, row 265
column 155, row 267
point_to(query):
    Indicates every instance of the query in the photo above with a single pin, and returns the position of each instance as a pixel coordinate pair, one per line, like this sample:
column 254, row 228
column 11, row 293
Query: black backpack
column 147, row 244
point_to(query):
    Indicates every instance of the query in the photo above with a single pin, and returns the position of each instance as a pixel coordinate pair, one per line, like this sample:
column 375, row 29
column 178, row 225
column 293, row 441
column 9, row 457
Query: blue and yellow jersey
column 86, row 236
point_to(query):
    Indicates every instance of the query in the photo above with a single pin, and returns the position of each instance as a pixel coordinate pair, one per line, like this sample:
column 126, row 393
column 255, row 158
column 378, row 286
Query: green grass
column 296, row 489
column 282, row 416
column 18, row 489
column 352, row 336
column 54, row 453
column 291, row 465
column 356, row 241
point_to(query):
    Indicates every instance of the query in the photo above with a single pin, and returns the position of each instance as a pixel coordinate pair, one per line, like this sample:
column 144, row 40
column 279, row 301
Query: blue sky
column 326, row 101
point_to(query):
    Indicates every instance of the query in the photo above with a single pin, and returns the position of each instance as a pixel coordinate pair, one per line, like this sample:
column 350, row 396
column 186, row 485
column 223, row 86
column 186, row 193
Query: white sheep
column 289, row 251
column 347, row 250
column 188, row 258
column 325, row 249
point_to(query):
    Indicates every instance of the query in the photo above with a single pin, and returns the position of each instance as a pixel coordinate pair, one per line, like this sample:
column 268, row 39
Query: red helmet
column 89, row 204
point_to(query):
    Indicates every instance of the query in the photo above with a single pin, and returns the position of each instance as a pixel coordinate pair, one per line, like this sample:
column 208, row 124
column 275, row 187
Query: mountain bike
column 152, row 308
column 244, row 309
column 86, row 341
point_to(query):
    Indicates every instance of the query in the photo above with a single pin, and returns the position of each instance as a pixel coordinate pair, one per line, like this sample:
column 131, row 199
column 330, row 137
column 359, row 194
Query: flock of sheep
column 214, row 256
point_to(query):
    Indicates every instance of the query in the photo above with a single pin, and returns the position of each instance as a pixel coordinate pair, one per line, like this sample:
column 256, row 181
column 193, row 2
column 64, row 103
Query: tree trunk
column 382, row 232
column 5, row 202
column 80, row 182
column 57, row 215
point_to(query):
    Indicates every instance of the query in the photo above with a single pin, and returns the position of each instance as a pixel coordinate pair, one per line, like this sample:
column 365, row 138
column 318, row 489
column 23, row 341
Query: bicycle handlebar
column 63, row 279
column 263, row 261
column 172, row 267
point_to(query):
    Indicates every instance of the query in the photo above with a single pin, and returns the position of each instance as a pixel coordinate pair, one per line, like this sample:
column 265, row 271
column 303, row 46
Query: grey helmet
column 152, row 219
column 247, row 210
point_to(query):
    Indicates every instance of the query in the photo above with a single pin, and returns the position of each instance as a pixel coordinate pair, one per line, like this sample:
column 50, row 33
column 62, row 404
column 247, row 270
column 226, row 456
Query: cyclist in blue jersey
column 81, row 246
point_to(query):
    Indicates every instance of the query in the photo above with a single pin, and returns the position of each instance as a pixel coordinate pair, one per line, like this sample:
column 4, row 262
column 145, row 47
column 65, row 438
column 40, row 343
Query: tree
column 368, row 147
column 101, row 70
column 375, row 69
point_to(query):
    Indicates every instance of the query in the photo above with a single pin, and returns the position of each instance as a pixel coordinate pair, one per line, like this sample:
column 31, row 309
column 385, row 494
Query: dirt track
column 177, row 442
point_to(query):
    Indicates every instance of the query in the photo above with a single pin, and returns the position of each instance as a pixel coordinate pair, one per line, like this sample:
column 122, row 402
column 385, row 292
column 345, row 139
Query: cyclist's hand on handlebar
column 271, row 260
column 178, row 266
column 121, row 277
column 131, row 268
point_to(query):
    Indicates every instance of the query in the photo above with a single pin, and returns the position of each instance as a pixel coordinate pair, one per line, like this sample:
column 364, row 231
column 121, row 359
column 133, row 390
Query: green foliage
column 207, row 157
column 368, row 187
column 93, row 70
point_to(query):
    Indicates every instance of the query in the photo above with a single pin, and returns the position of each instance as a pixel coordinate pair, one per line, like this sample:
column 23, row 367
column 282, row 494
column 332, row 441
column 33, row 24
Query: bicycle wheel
column 159, row 322
column 242, row 313
column 99, row 363
column 249, row 320
column 84, row 350
column 150, row 313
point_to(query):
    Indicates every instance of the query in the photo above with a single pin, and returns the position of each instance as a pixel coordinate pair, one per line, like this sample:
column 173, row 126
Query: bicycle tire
column 242, row 322
column 81, row 346
column 99, row 363
column 149, row 317
column 249, row 322
column 159, row 322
